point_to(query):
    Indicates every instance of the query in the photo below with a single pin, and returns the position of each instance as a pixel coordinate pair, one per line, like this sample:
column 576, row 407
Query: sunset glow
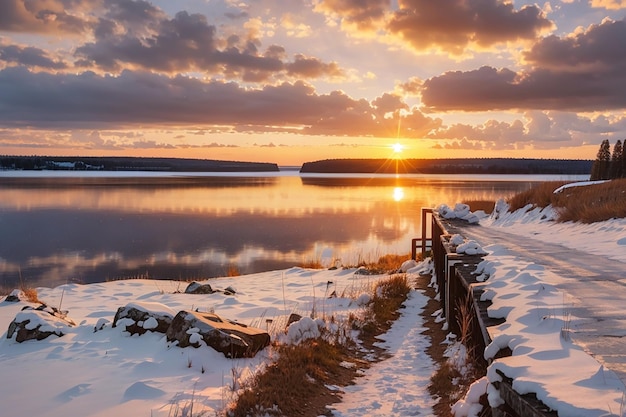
column 397, row 148
column 290, row 82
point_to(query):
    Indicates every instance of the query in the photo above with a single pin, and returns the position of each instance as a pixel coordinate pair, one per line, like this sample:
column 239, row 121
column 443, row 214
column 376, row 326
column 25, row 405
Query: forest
column 607, row 165
column 451, row 166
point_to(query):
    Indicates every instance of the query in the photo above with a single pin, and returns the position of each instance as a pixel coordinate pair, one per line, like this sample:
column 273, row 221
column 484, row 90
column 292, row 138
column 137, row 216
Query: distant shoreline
column 79, row 163
column 488, row 166
column 451, row 166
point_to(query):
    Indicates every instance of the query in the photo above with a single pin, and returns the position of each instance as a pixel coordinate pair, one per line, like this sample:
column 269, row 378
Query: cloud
column 46, row 16
column 138, row 35
column 454, row 25
column 47, row 100
column 540, row 130
column 609, row 4
column 460, row 144
column 307, row 67
column 29, row 56
column 582, row 72
column 363, row 14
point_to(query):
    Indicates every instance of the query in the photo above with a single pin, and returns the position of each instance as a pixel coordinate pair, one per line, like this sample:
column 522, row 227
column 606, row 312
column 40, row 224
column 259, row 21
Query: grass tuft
column 311, row 264
column 233, row 271
column 290, row 385
column 31, row 294
column 385, row 264
column 539, row 196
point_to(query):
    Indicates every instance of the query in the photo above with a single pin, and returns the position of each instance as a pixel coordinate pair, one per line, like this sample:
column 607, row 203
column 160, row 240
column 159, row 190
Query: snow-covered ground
column 539, row 327
column 106, row 372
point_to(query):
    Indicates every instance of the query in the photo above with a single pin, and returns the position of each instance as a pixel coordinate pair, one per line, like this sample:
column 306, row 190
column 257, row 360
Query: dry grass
column 233, row 271
column 389, row 295
column 295, row 384
column 538, row 196
column 592, row 203
column 311, row 264
column 385, row 264
column 484, row 205
column 586, row 204
column 31, row 294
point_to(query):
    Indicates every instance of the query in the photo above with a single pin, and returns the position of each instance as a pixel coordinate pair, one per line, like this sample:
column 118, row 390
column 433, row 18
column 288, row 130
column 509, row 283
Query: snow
column 97, row 370
column 539, row 326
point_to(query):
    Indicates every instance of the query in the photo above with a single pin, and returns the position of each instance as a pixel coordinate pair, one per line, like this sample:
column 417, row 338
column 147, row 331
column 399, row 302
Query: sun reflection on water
column 398, row 193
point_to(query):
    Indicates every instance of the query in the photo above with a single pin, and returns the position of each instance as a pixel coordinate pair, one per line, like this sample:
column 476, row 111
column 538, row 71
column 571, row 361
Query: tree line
column 609, row 165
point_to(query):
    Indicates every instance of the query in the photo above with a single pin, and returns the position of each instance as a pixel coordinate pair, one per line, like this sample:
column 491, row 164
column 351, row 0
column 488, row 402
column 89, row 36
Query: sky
column 290, row 82
column 108, row 372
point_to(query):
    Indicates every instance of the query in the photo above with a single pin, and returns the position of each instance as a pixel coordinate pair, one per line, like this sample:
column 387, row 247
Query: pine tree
column 602, row 164
column 623, row 159
column 617, row 160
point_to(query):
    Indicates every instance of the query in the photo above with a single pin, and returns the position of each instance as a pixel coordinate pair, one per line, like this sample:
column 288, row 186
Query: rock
column 138, row 318
column 100, row 325
column 293, row 317
column 197, row 288
column 15, row 296
column 233, row 339
column 38, row 323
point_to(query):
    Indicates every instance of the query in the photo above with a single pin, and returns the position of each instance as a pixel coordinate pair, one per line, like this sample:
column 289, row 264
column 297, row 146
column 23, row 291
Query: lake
column 60, row 226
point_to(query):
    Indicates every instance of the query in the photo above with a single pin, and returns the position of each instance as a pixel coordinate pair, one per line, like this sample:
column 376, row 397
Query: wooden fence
column 465, row 313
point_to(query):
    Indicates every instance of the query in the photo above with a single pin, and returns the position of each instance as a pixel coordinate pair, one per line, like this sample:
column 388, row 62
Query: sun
column 397, row 147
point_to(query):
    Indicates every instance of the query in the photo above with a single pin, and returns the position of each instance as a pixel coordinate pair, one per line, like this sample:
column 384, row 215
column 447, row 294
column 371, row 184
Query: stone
column 234, row 340
column 38, row 323
column 197, row 288
column 138, row 318
column 293, row 317
column 15, row 296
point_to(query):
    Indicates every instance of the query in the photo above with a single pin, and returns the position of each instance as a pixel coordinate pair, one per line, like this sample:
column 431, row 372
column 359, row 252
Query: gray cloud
column 455, row 24
column 451, row 25
column 541, row 130
column 139, row 35
column 580, row 73
column 136, row 98
column 45, row 16
column 29, row 56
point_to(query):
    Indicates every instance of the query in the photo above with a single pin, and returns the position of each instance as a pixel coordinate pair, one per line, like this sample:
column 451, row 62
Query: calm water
column 57, row 228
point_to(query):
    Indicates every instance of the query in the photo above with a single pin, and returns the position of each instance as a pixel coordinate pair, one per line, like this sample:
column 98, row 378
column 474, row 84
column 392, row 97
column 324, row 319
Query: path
column 596, row 285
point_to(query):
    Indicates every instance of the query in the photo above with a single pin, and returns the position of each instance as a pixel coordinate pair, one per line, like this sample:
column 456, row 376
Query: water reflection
column 398, row 193
column 61, row 230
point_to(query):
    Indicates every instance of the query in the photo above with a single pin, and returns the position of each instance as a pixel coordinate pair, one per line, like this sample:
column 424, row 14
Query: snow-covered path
column 595, row 287
column 396, row 386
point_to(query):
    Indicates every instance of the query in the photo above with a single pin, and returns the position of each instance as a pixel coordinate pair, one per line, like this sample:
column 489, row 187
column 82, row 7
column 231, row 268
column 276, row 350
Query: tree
column 617, row 160
column 600, row 169
column 623, row 159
